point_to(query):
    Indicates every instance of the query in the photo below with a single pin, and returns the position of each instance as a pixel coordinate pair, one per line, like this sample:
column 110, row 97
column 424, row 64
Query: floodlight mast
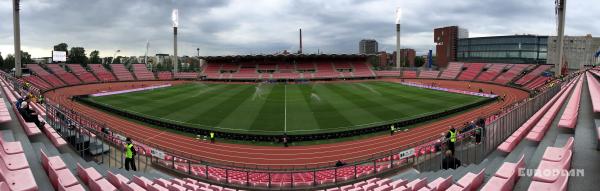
column 17, row 37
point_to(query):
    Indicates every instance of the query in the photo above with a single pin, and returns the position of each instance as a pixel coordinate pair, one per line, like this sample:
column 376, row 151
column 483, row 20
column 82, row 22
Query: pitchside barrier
column 91, row 140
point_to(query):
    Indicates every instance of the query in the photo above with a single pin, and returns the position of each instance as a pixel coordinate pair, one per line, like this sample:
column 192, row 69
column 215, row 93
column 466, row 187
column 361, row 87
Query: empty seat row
column 505, row 177
column 121, row 72
column 472, row 71
column 511, row 142
column 533, row 74
column 551, row 173
column 594, row 88
column 102, row 73
column 429, row 74
column 509, row 75
column 539, row 130
column 4, row 113
column 141, row 72
column 569, row 116
column 82, row 73
column 65, row 76
column 165, row 75
column 491, row 73
column 453, row 69
column 409, row 74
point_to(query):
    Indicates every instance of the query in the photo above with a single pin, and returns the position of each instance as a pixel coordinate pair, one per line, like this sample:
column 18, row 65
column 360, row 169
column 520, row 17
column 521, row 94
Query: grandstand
column 102, row 74
column 512, row 73
column 82, row 73
column 67, row 77
column 491, row 73
column 141, row 72
column 452, row 71
column 121, row 72
column 485, row 167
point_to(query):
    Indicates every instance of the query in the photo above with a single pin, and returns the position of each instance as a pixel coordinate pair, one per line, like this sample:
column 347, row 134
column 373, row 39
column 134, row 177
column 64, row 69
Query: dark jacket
column 450, row 162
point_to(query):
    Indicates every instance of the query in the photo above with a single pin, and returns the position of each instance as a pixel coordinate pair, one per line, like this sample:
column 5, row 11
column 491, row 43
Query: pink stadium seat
column 432, row 74
column 21, row 179
column 545, row 165
column 539, row 130
column 142, row 181
column 165, row 75
column 509, row 75
column 398, row 183
column 452, row 71
column 88, row 175
column 121, row 72
column 440, row 184
column 63, row 177
column 76, row 187
column 594, row 88
column 131, row 187
column 491, row 73
column 141, row 72
column 185, row 75
column 556, row 154
column 505, row 177
column 156, row 187
column 65, row 76
column 51, row 163
column 471, row 181
column 8, row 147
column 533, row 74
column 116, row 179
column 102, row 185
column 102, row 74
column 472, row 71
column 82, row 73
column 162, row 182
column 383, row 73
column 560, row 184
column 417, row 184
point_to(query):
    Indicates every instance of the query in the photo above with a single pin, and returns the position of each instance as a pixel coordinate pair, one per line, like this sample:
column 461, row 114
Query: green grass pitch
column 277, row 108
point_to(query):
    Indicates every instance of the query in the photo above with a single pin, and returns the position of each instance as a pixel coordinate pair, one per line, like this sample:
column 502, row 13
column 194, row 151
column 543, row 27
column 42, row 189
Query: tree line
column 77, row 55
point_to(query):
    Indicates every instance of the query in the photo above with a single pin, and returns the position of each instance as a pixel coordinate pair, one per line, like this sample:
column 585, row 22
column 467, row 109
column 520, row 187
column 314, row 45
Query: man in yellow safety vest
column 130, row 153
column 212, row 137
column 451, row 138
column 392, row 130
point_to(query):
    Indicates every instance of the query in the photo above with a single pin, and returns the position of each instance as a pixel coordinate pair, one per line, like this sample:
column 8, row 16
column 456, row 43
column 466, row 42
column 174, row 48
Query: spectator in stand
column 130, row 153
column 28, row 114
column 478, row 133
column 451, row 136
column 450, row 162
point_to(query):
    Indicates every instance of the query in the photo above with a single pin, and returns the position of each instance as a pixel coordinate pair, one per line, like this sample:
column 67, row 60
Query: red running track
column 274, row 157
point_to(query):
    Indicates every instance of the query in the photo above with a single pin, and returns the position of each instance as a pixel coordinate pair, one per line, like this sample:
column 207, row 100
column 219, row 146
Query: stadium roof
column 282, row 56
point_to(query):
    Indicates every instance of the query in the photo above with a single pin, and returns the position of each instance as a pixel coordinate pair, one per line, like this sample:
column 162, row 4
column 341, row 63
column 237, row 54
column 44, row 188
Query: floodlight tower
column 175, row 19
column 17, row 38
column 561, row 6
column 398, row 17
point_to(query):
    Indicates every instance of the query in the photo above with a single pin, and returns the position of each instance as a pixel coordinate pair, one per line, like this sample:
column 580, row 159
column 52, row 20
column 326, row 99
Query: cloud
column 225, row 27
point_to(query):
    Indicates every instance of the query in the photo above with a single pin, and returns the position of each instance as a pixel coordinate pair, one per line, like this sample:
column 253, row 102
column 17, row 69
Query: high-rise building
column 578, row 50
column 463, row 33
column 446, row 40
column 407, row 56
column 368, row 46
column 517, row 49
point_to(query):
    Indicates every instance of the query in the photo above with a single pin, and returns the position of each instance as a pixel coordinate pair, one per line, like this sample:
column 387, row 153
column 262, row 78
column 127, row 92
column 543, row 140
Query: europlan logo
column 550, row 172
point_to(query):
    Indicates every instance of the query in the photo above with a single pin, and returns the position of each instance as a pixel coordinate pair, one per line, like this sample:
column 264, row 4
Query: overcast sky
column 225, row 27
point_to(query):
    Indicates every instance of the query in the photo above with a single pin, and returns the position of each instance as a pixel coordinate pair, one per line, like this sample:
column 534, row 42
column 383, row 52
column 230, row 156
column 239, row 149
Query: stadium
column 299, row 122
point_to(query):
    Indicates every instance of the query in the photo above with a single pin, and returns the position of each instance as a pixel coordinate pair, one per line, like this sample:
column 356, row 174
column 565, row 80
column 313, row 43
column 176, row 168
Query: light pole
column 114, row 57
column 17, row 39
column 198, row 50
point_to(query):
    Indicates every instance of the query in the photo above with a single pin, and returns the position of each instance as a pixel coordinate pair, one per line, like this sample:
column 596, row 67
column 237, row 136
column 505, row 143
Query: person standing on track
column 130, row 153
column 451, row 135
column 212, row 137
column 392, row 130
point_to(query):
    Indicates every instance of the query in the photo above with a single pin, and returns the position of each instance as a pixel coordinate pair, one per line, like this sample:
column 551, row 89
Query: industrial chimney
column 300, row 51
column 398, row 16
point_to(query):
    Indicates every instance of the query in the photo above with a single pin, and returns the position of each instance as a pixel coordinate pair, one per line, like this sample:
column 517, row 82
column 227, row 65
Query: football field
column 292, row 108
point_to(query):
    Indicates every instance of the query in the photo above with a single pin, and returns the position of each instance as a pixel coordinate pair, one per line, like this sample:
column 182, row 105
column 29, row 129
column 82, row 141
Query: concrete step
column 7, row 135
